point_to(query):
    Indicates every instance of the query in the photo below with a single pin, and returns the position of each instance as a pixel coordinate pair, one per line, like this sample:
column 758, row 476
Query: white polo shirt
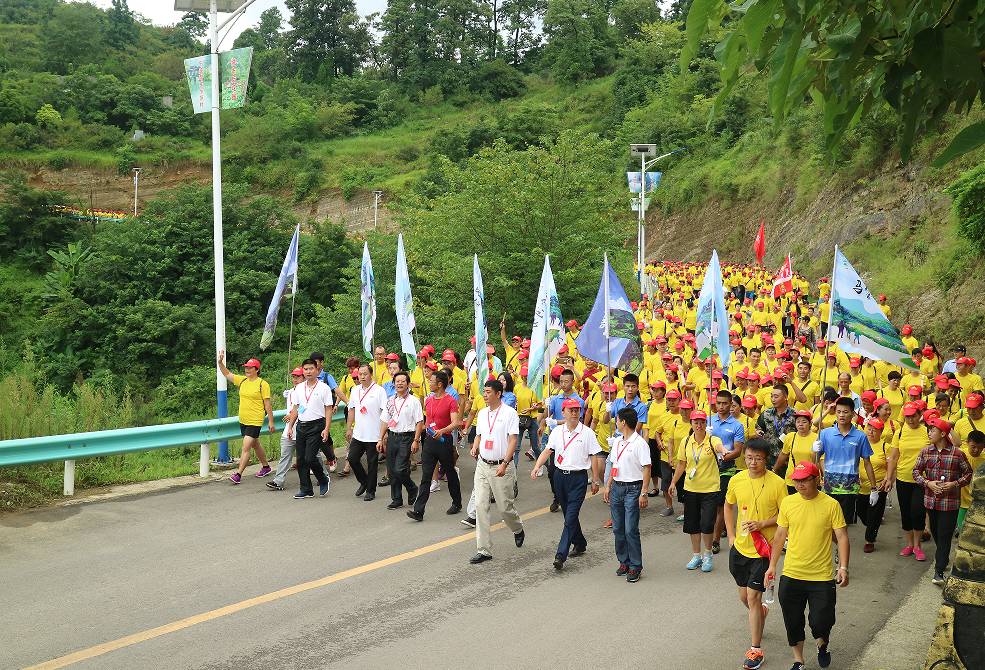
column 493, row 428
column 291, row 398
column 367, row 403
column 573, row 449
column 628, row 458
column 311, row 400
column 401, row 415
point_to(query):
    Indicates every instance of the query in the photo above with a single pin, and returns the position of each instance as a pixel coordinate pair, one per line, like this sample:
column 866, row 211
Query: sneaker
column 301, row 495
column 264, row 471
column 918, row 554
column 416, row 516
column 480, row 558
column 385, row 481
column 633, row 576
column 716, row 547
column 694, row 562
column 906, row 551
column 395, row 505
column 555, row 506
column 578, row 551
column 823, row 655
column 680, row 519
column 797, row 665
column 706, row 563
column 235, row 478
column 274, row 486
column 668, row 511
column 754, row 659
column 558, row 563
column 361, row 490
column 529, row 453
column 454, row 509
column 435, row 486
column 938, row 578
column 869, row 547
column 468, row 521
column 323, row 489
column 607, row 524
column 623, row 569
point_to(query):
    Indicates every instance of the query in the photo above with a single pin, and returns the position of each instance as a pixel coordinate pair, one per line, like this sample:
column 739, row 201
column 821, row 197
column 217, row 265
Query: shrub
column 969, row 205
column 500, row 81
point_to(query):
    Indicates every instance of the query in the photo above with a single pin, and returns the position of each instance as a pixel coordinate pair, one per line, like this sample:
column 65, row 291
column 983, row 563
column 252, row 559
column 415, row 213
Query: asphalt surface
column 77, row 577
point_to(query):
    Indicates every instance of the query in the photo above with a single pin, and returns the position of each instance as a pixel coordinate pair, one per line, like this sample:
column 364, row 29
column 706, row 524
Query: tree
column 73, row 37
column 47, row 116
column 327, row 39
column 520, row 22
column 579, row 40
column 630, row 16
column 195, row 24
column 121, row 28
column 923, row 59
column 268, row 29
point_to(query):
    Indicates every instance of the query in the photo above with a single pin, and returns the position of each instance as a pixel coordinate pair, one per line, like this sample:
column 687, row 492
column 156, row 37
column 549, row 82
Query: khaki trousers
column 487, row 484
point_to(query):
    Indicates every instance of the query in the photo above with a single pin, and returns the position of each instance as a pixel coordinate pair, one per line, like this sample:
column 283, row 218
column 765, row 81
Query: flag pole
column 605, row 315
column 290, row 333
column 827, row 335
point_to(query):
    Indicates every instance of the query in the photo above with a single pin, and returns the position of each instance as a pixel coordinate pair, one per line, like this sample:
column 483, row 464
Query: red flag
column 759, row 246
column 783, row 283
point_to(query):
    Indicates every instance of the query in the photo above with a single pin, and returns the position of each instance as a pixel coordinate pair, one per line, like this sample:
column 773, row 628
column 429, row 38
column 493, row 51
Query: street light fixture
column 235, row 8
column 136, row 179
column 643, row 152
column 376, row 208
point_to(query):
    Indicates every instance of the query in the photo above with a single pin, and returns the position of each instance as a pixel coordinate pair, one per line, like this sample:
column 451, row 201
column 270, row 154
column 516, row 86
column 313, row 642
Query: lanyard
column 625, row 443
column 567, row 444
column 396, row 412
column 492, row 422
column 362, row 396
column 307, row 393
column 695, row 454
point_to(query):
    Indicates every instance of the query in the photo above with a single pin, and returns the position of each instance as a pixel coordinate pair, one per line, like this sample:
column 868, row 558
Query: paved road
column 377, row 589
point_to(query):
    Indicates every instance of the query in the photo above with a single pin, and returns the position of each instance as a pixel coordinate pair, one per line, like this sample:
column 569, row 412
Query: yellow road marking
column 188, row 622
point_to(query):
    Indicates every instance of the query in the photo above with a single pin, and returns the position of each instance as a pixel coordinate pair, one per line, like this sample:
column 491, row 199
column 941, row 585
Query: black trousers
column 308, row 446
column 911, row 510
column 398, row 466
column 871, row 515
column 942, row 525
column 365, row 476
column 797, row 594
column 434, row 452
column 571, row 489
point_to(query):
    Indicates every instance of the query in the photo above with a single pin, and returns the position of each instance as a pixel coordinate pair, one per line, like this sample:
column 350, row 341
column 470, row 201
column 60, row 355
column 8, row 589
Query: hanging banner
column 234, row 67
column 652, row 181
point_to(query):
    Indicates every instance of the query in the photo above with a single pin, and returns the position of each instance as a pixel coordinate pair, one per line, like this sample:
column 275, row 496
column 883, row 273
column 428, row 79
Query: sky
column 160, row 13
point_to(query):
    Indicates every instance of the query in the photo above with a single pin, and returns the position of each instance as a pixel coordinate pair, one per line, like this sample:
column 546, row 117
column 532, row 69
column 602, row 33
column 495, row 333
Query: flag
column 288, row 273
column 857, row 323
column 547, row 335
column 368, row 297
column 711, row 331
column 481, row 336
column 783, row 283
column 759, row 246
column 404, row 305
column 609, row 336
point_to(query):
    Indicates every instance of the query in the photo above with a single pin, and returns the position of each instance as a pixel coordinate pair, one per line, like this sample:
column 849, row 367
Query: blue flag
column 404, row 305
column 288, row 274
column 711, row 331
column 368, row 299
column 609, row 336
column 857, row 323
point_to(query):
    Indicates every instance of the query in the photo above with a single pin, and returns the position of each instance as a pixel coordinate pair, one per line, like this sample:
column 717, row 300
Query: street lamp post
column 136, row 179
column 644, row 151
column 236, row 8
column 376, row 208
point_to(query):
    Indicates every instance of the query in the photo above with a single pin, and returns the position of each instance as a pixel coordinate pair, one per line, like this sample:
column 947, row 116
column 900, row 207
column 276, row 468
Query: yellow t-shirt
column 965, row 425
column 975, row 462
column 524, row 399
column 673, row 432
column 798, row 449
column 969, row 382
column 896, row 400
column 811, row 389
column 252, row 393
column 809, row 524
column 880, row 454
column 701, row 474
column 909, row 441
column 757, row 500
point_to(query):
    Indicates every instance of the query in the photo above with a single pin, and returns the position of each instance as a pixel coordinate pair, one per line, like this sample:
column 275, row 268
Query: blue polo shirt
column 729, row 431
column 641, row 408
column 328, row 379
column 842, row 454
column 554, row 406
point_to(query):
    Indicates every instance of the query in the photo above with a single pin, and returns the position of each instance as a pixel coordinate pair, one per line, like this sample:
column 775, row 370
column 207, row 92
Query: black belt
column 638, row 481
column 572, row 472
column 403, row 432
column 487, row 462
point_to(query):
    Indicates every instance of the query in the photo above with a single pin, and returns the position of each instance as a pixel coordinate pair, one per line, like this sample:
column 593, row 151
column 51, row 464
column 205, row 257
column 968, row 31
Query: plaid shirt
column 942, row 465
column 774, row 426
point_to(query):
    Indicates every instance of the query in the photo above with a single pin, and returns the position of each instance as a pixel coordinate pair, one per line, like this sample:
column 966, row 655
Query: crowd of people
column 775, row 453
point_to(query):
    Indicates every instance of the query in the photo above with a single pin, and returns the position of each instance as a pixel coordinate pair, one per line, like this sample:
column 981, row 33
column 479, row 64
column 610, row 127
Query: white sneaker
column 435, row 486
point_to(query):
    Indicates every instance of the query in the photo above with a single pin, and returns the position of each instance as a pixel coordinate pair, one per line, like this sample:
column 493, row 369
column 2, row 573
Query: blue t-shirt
column 841, row 458
column 328, row 379
column 729, row 431
column 554, row 406
column 641, row 408
column 509, row 398
column 390, row 389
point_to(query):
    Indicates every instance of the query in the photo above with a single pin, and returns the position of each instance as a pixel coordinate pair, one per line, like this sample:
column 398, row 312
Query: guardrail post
column 69, row 486
column 203, row 461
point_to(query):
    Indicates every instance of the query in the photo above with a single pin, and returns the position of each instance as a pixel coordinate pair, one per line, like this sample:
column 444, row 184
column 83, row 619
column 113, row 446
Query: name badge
column 488, row 445
column 392, row 423
column 693, row 472
column 614, row 471
column 559, row 458
column 362, row 410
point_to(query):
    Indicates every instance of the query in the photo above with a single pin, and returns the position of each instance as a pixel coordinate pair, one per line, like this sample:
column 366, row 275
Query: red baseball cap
column 940, row 424
column 517, row 338
column 821, row 344
column 673, row 394
column 749, row 401
column 640, row 325
column 698, row 414
column 563, row 350
column 569, row 403
column 490, row 349
column 743, row 373
column 855, row 362
column 525, row 344
column 423, row 353
column 522, row 356
column 907, row 329
column 297, row 372
column 879, row 402
column 392, row 356
column 915, row 391
column 953, row 383
column 910, row 409
column 686, row 404
column 431, row 365
column 666, row 356
column 524, row 370
column 806, row 413
column 804, row 470
column 448, row 355
column 609, row 388
column 752, row 376
column 869, row 395
column 556, row 371
column 252, row 363
column 877, row 424
column 671, row 367
column 658, row 384
column 927, row 351
column 974, row 400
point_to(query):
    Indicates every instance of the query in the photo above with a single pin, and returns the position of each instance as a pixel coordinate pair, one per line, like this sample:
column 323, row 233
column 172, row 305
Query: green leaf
column 782, row 67
column 754, row 23
column 696, row 26
column 970, row 138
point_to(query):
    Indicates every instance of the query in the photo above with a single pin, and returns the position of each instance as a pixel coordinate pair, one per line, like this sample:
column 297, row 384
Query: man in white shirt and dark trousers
column 626, row 492
column 401, row 423
column 313, row 415
column 288, row 439
column 366, row 404
column 572, row 444
column 497, row 433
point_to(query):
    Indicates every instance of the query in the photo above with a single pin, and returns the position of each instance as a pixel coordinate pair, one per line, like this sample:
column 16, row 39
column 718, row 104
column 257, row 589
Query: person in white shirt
column 497, row 433
column 401, row 424
column 572, row 444
column 313, row 416
column 288, row 439
column 626, row 492
column 362, row 430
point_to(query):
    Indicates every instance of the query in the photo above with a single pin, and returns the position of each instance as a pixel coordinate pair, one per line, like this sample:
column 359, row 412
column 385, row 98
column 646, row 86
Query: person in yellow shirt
column 972, row 420
column 254, row 403
column 825, row 314
column 381, row 373
column 894, row 394
column 697, row 457
column 883, row 306
column 673, row 431
column 872, row 511
column 527, row 410
column 654, row 424
column 752, row 503
column 797, row 447
column 973, row 449
column 907, row 338
column 930, row 363
column 810, row 388
column 806, row 522
column 968, row 379
column 909, row 440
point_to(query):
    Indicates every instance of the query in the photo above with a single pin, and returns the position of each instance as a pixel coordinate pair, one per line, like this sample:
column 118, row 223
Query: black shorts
column 666, row 474
column 700, row 510
column 723, row 481
column 748, row 572
column 847, row 503
column 249, row 431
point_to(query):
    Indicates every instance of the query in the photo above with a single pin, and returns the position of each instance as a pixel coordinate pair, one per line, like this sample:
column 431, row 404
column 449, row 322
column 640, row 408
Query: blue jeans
column 624, row 505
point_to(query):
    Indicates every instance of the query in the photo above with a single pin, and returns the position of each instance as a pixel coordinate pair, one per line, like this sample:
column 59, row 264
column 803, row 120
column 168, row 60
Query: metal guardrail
column 73, row 446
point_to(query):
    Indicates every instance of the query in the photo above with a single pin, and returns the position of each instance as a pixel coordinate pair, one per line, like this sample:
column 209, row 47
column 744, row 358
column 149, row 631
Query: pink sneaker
column 919, row 555
column 264, row 471
column 235, row 477
column 907, row 551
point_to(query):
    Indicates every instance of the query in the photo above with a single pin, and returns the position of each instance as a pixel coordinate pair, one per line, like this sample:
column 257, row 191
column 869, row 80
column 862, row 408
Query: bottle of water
column 743, row 516
column 770, row 597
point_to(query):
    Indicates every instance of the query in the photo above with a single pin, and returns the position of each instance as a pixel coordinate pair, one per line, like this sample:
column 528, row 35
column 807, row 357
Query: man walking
column 288, row 439
column 313, row 415
column 496, row 437
column 726, row 428
column 401, row 424
column 554, row 416
column 808, row 518
column 625, row 491
column 843, row 447
column 366, row 403
column 572, row 444
column 441, row 412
